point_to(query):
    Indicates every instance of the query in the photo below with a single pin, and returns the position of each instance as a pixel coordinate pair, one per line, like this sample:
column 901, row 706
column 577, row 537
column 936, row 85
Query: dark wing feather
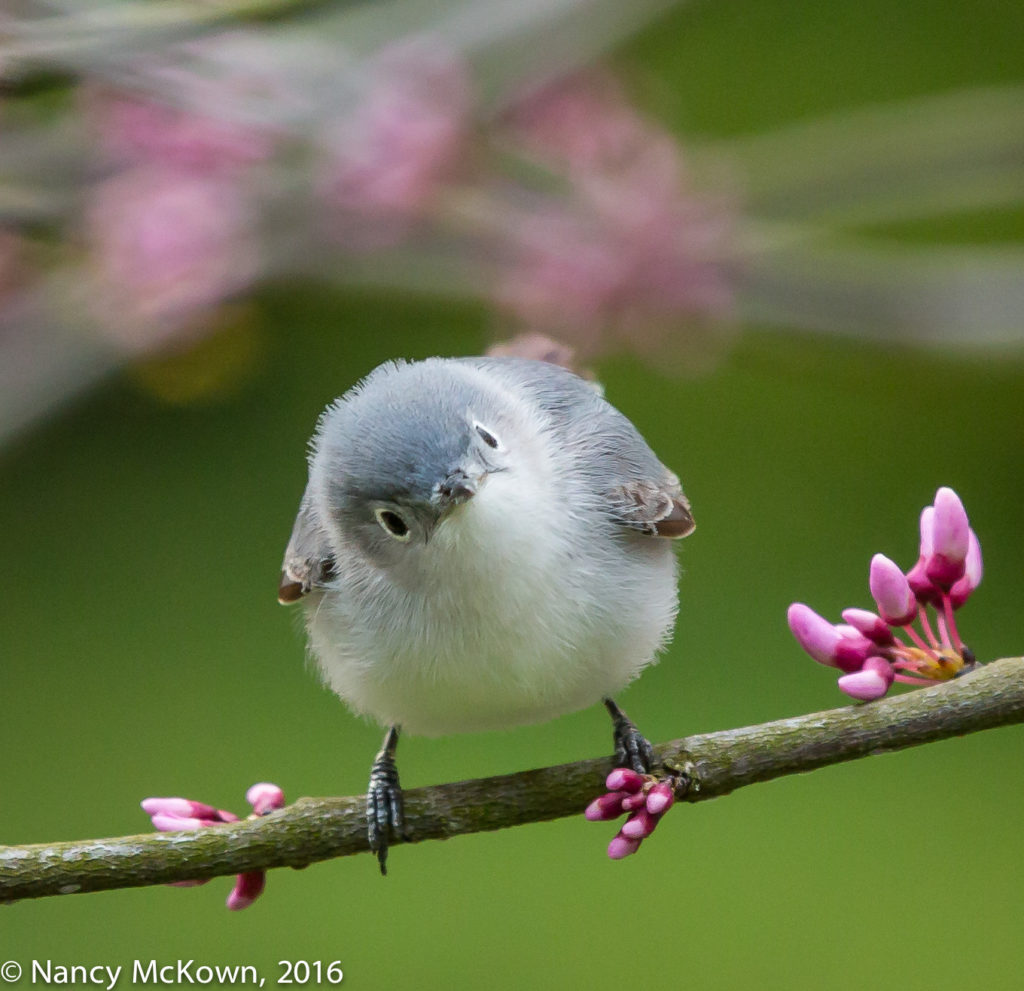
column 660, row 510
column 308, row 562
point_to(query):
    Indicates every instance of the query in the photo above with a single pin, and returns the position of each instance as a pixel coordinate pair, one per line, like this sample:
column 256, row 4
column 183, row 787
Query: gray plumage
column 480, row 545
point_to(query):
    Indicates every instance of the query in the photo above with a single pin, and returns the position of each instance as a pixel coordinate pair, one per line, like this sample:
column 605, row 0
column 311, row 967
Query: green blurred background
column 144, row 653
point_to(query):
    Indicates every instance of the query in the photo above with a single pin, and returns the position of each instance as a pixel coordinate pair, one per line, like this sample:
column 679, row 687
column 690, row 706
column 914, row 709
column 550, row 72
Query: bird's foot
column 632, row 749
column 385, row 816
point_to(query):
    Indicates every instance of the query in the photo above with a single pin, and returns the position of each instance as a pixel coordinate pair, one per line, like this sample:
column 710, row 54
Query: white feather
column 528, row 601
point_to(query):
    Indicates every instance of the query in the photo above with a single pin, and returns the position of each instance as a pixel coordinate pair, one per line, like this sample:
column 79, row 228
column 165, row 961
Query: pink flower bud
column 168, row 824
column 923, row 587
column 870, row 625
column 183, row 808
column 925, row 590
column 182, row 813
column 605, row 807
column 950, row 539
column 891, row 591
column 264, row 798
column 852, row 649
column 170, row 814
column 882, row 665
column 813, row 632
column 621, row 846
column 624, row 779
column 871, row 682
column 639, row 825
column 962, row 589
column 660, row 798
column 927, row 531
column 248, row 887
column 633, row 802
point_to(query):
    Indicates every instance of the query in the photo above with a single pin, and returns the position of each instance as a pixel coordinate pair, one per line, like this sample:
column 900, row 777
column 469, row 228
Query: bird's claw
column 385, row 814
column 632, row 748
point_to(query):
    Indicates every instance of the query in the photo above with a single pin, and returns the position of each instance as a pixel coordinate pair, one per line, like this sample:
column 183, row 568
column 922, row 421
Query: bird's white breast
column 526, row 602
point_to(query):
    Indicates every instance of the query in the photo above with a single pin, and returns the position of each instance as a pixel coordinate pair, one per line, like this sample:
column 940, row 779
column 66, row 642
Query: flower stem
column 947, row 607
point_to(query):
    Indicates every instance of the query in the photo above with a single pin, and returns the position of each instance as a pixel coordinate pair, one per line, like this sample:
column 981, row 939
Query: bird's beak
column 458, row 487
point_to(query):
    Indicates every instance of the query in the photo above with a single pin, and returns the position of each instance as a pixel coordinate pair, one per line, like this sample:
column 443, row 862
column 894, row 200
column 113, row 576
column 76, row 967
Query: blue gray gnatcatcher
column 481, row 545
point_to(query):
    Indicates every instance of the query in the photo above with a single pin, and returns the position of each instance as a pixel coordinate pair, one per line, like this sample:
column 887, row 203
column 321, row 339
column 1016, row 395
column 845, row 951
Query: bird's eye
column 486, row 436
column 392, row 524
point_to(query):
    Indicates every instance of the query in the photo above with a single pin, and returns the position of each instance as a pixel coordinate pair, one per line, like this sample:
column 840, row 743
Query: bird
column 482, row 543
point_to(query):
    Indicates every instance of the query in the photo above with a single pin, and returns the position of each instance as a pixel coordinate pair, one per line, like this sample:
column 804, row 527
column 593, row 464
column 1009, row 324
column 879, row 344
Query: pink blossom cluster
column 204, row 166
column 629, row 250
column 133, row 128
column 388, row 162
column 171, row 814
column 874, row 650
column 643, row 797
column 172, row 227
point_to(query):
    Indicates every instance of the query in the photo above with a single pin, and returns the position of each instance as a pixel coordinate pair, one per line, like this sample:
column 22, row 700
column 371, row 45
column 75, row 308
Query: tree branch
column 314, row 829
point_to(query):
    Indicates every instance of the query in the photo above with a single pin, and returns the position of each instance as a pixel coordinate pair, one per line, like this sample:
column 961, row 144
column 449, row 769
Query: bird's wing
column 642, row 493
column 308, row 561
column 658, row 509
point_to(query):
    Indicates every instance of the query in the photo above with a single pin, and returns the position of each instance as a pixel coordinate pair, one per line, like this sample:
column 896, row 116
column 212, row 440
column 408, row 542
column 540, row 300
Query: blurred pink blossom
column 628, row 249
column 215, row 103
column 585, row 127
column 166, row 245
column 597, row 281
column 583, row 120
column 386, row 163
column 137, row 130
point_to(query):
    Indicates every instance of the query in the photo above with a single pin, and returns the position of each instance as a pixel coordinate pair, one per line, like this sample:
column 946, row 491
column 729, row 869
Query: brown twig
column 315, row 829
